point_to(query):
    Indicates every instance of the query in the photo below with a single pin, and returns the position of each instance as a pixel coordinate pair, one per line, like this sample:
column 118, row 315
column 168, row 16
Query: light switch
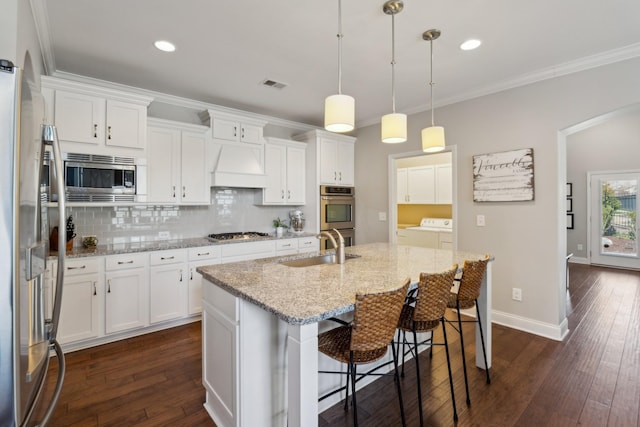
column 382, row 216
column 480, row 220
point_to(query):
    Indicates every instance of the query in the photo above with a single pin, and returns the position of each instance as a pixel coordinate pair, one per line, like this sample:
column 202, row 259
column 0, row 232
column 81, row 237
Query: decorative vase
column 279, row 231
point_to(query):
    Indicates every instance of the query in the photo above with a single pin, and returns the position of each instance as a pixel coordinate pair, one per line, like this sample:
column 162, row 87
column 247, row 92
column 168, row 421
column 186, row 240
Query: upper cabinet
column 178, row 167
column 96, row 120
column 231, row 127
column 425, row 185
column 285, row 171
column 336, row 161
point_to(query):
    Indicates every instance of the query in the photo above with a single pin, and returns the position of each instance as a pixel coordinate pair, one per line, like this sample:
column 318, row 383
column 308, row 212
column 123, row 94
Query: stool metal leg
column 394, row 352
column 353, row 390
column 415, row 346
column 464, row 360
column 446, row 349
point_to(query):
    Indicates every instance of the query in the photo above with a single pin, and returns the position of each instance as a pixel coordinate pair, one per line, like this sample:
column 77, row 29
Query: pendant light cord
column 431, row 84
column 393, row 63
column 340, row 35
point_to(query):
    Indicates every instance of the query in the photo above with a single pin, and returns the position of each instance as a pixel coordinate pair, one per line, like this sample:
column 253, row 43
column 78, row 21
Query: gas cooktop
column 241, row 235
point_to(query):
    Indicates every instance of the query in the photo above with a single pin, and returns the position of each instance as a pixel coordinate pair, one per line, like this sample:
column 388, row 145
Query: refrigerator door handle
column 50, row 137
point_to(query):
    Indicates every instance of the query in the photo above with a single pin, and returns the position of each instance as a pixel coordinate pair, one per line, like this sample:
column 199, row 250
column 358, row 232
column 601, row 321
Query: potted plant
column 279, row 225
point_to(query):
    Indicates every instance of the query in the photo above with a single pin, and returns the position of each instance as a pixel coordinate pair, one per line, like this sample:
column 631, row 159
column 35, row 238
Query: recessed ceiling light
column 470, row 44
column 165, row 46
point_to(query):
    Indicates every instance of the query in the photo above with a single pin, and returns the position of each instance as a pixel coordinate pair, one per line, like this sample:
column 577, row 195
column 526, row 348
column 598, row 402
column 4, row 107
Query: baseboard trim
column 579, row 260
column 547, row 330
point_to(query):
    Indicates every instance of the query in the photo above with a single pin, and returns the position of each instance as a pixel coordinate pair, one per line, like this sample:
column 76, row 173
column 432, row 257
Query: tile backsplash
column 231, row 209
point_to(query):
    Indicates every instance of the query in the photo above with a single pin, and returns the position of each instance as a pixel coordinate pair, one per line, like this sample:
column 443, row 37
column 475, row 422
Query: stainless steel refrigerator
column 26, row 338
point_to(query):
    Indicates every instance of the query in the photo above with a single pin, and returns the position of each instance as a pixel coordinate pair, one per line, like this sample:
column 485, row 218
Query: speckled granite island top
column 303, row 295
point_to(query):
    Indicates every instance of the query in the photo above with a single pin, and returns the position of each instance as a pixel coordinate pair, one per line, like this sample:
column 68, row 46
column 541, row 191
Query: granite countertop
column 160, row 245
column 302, row 295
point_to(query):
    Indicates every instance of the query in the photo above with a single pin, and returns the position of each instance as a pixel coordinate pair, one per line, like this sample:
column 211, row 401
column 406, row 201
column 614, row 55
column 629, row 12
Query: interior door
column 614, row 219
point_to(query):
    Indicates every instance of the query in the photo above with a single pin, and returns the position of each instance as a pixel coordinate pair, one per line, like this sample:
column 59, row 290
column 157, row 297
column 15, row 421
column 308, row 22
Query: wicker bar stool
column 424, row 313
column 467, row 297
column 366, row 339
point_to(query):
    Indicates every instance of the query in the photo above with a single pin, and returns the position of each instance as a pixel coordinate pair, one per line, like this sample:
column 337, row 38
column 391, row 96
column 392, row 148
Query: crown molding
column 41, row 20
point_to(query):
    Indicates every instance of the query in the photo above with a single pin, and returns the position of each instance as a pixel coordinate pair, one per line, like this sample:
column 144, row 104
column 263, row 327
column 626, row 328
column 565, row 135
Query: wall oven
column 98, row 178
column 338, row 210
column 349, row 235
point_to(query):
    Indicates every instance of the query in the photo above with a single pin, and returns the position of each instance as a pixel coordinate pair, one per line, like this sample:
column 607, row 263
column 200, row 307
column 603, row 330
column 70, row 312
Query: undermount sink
column 316, row 260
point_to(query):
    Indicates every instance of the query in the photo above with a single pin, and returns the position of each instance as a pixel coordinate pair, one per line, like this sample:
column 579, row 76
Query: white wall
column 9, row 25
column 611, row 145
column 525, row 237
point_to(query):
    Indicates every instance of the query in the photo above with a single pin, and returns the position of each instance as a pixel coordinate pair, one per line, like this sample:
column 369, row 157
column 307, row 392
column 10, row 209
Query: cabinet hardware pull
column 166, row 258
column 184, row 191
column 174, row 191
column 242, row 133
column 203, row 254
column 95, row 130
column 191, row 274
column 109, row 286
column 282, row 194
column 125, row 262
column 335, row 175
column 286, row 246
column 94, row 289
column 108, row 132
column 235, row 131
column 181, row 275
column 288, row 194
column 340, row 176
column 82, row 267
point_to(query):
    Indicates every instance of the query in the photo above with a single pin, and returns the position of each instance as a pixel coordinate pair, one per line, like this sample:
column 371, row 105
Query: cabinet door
column 250, row 133
column 402, row 184
column 163, row 154
column 168, row 288
column 328, row 167
column 421, row 185
column 275, row 166
column 79, row 117
column 195, row 183
column 225, row 129
column 126, row 124
column 444, row 184
column 79, row 314
column 126, row 300
column 345, row 161
column 295, row 182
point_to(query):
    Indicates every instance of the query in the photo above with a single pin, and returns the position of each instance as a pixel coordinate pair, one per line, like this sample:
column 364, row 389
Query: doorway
column 613, row 218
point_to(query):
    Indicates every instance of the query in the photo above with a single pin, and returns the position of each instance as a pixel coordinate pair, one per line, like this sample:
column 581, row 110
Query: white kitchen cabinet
column 444, row 184
column 426, row 239
column 308, row 244
column 237, row 128
column 336, row 161
column 126, row 302
column 285, row 171
column 108, row 120
column 168, row 285
column 81, row 300
column 198, row 257
column 246, row 251
column 177, row 165
column 445, row 240
column 286, row 247
column 424, row 185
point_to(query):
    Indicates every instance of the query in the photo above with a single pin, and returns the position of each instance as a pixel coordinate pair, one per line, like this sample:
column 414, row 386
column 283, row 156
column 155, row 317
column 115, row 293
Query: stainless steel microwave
column 99, row 178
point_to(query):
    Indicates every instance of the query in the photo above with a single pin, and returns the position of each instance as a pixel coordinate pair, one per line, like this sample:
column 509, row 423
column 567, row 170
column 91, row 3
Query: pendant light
column 394, row 125
column 433, row 136
column 339, row 110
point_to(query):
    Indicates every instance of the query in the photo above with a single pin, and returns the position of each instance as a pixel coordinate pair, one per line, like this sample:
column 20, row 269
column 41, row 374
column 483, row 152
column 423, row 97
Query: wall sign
column 503, row 177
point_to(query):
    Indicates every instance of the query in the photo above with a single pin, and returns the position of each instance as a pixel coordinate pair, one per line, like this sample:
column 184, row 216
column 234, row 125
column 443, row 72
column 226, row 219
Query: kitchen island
column 261, row 321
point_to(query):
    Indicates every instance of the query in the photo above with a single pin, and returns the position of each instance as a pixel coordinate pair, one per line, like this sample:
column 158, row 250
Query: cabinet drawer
column 125, row 261
column 250, row 250
column 309, row 243
column 205, row 252
column 167, row 257
column 74, row 267
column 286, row 244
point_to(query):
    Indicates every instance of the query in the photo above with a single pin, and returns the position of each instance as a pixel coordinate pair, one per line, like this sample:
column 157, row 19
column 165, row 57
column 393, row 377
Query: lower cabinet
column 126, row 304
column 198, row 257
column 168, row 285
column 81, row 300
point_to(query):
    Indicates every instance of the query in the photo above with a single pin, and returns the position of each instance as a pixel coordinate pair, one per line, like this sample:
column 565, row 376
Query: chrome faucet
column 339, row 247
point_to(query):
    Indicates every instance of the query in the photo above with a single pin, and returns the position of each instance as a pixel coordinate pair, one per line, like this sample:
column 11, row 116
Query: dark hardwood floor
column 592, row 378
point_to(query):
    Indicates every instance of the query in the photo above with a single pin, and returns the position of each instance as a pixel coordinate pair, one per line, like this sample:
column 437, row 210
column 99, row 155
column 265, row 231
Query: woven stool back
column 375, row 318
column 433, row 294
column 472, row 275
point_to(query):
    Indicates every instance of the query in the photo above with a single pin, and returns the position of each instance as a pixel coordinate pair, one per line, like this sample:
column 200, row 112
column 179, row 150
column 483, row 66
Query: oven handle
column 340, row 198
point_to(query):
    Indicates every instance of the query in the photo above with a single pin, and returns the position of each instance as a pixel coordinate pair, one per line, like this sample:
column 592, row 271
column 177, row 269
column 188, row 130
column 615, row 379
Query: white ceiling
column 226, row 48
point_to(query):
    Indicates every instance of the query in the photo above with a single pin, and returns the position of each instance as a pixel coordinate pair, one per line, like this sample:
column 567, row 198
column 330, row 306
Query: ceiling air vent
column 273, row 84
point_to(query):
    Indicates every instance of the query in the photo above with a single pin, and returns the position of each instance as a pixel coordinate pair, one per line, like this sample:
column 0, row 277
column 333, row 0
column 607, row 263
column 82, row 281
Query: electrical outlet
column 579, row 246
column 382, row 216
column 164, row 235
column 480, row 220
column 516, row 294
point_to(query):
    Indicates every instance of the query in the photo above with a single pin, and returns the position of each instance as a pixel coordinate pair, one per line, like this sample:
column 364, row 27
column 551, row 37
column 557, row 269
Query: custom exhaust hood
column 238, row 165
